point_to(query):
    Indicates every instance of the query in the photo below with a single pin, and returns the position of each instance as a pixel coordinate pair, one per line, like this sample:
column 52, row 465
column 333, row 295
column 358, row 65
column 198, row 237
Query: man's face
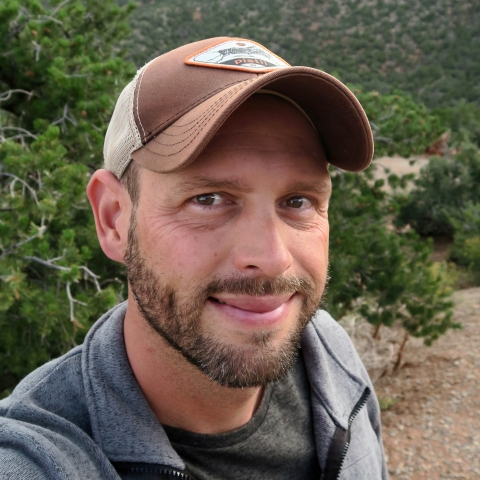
column 227, row 258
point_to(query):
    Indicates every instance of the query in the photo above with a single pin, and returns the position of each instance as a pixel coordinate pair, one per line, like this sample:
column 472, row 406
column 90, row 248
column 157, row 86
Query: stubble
column 178, row 320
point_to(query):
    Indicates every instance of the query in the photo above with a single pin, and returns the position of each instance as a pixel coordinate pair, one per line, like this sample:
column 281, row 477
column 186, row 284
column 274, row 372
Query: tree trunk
column 398, row 363
column 376, row 333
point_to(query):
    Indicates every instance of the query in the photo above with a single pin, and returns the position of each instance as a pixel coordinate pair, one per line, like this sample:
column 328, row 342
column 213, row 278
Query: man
column 214, row 195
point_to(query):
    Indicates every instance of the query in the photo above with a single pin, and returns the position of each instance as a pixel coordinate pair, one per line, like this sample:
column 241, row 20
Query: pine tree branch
column 23, row 182
column 46, row 18
column 58, row 7
column 38, row 49
column 382, row 139
column 7, row 95
column 9, row 249
column 62, row 120
column 47, row 263
column 72, row 301
column 95, row 278
column 24, row 133
column 50, row 264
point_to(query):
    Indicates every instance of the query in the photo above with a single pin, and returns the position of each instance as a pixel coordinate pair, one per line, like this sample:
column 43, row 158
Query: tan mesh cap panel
column 122, row 137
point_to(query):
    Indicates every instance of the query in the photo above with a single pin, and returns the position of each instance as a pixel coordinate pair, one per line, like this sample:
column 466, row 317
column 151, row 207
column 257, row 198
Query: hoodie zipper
column 356, row 410
column 161, row 470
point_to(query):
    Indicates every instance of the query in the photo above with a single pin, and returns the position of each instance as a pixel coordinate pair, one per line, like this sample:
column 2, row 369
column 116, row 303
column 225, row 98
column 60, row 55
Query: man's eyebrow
column 235, row 184
column 199, row 181
column 321, row 188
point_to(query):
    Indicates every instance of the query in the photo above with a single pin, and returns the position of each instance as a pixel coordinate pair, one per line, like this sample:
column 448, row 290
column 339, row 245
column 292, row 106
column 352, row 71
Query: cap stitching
column 190, row 125
column 219, row 103
column 199, row 124
column 197, row 130
column 199, row 120
column 194, row 134
column 211, row 94
column 208, row 95
column 194, row 119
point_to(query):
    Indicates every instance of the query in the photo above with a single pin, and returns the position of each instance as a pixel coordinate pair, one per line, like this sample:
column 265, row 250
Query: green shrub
column 467, row 239
column 443, row 191
column 463, row 121
column 386, row 277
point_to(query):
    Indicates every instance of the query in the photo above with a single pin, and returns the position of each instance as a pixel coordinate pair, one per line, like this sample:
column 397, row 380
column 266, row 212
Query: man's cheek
column 311, row 248
column 180, row 251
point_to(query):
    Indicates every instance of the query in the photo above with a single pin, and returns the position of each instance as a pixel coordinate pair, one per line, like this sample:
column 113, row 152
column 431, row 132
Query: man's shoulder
column 39, row 446
column 45, row 375
column 328, row 324
column 46, row 424
column 332, row 334
column 326, row 333
column 51, row 392
column 33, row 418
column 59, row 385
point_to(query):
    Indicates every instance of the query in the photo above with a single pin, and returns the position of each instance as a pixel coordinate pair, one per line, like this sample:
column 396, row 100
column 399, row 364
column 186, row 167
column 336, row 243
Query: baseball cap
column 176, row 103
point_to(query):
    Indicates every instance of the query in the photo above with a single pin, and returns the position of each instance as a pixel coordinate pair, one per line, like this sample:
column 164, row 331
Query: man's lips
column 254, row 304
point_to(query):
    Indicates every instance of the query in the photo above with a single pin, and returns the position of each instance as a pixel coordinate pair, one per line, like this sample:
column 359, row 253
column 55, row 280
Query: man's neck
column 178, row 393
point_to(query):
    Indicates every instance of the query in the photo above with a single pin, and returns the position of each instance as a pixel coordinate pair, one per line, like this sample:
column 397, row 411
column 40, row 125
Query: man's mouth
column 217, row 300
column 250, row 303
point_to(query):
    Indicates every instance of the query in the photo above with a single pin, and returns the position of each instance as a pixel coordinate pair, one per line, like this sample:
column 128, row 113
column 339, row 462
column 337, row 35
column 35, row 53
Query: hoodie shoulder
column 337, row 341
column 54, row 390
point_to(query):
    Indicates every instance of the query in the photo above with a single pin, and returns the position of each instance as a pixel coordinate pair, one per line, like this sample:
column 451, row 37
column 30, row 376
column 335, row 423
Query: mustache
column 258, row 286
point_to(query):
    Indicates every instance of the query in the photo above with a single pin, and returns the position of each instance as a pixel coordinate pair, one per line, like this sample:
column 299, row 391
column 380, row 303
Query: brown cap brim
column 333, row 109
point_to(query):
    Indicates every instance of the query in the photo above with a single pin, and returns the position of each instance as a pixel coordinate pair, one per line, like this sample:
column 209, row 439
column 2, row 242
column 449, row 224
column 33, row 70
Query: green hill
column 429, row 48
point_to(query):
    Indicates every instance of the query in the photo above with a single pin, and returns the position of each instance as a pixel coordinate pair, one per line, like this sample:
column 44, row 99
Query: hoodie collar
column 123, row 424
column 336, row 386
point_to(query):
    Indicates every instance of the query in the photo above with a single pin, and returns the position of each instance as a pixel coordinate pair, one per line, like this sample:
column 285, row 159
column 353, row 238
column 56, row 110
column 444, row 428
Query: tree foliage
column 384, row 276
column 446, row 198
column 467, row 238
column 444, row 189
column 400, row 125
column 59, row 71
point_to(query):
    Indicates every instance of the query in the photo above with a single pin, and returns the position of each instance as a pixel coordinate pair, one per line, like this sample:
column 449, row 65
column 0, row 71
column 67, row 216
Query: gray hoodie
column 83, row 415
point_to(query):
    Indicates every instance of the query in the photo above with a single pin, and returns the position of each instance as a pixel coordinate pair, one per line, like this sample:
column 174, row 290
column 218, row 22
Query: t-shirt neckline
column 227, row 439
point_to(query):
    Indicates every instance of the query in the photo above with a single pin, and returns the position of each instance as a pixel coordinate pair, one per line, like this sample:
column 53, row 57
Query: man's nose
column 261, row 246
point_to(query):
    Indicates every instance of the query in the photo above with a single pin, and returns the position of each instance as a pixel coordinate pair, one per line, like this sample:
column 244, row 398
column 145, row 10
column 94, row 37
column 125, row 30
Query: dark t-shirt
column 277, row 443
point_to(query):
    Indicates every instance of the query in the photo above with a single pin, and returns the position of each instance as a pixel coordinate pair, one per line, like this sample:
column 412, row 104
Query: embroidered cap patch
column 237, row 54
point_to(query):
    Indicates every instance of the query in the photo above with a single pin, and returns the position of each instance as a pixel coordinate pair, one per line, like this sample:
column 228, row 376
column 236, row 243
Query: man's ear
column 111, row 207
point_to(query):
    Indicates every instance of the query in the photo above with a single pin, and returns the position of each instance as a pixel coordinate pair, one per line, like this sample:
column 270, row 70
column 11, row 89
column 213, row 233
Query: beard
column 178, row 321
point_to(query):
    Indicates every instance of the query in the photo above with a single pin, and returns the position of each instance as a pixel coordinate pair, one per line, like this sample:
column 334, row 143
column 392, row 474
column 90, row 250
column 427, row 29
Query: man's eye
column 298, row 202
column 208, row 199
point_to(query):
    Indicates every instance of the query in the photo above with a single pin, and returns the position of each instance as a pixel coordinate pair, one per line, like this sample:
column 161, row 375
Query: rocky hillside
column 429, row 48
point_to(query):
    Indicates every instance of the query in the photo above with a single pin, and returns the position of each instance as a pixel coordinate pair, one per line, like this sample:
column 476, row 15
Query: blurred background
column 405, row 234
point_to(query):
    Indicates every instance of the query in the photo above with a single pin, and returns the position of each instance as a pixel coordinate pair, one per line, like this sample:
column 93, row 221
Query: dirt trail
column 433, row 431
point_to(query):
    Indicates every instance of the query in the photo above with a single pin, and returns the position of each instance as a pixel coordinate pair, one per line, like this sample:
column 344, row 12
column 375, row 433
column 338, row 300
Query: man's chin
column 251, row 359
column 248, row 366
